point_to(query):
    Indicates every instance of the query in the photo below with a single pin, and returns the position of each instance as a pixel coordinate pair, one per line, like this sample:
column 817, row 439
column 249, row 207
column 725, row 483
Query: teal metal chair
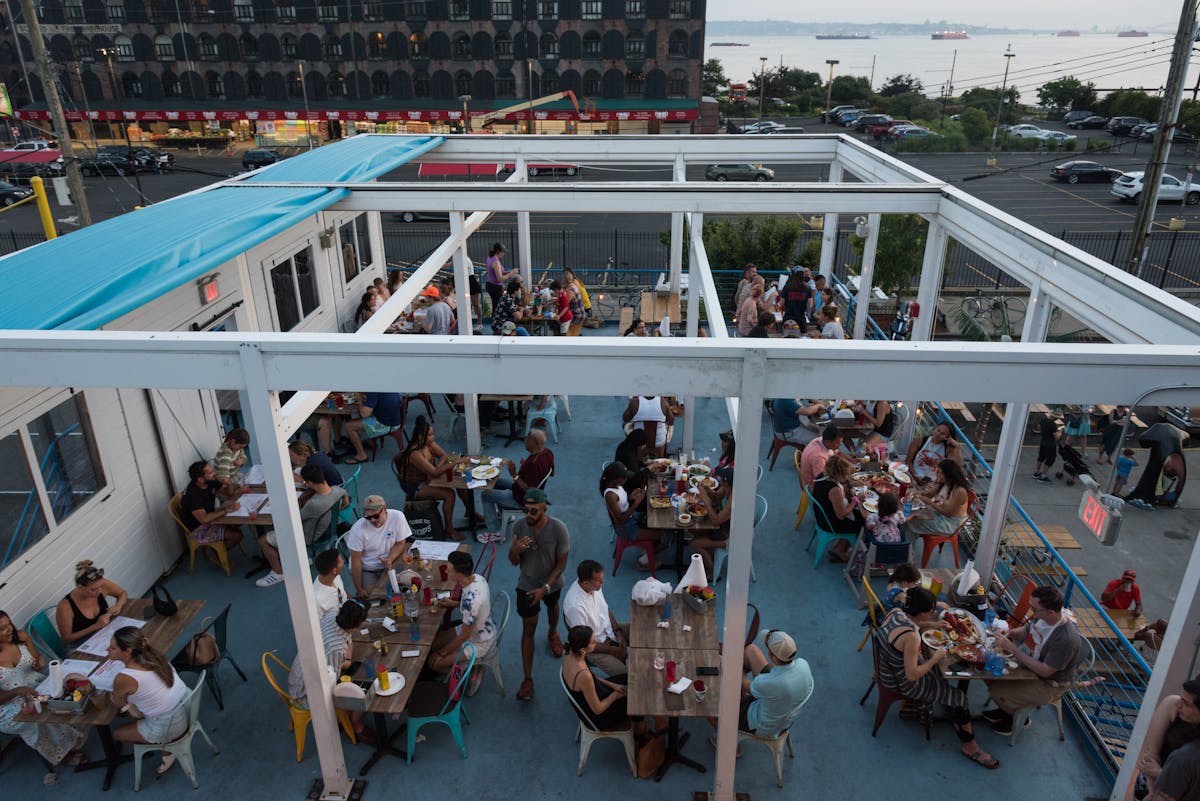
column 44, row 632
column 218, row 627
column 181, row 747
column 350, row 513
column 433, row 702
column 720, row 554
column 823, row 532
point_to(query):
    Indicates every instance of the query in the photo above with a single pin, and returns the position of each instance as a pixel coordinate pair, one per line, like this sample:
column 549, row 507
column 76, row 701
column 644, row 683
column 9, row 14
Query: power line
column 1082, row 69
column 1156, row 45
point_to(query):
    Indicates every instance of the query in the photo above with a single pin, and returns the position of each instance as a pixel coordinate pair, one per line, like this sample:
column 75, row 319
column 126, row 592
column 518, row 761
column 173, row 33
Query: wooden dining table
column 648, row 694
column 162, row 632
column 665, row 520
column 458, row 481
column 380, row 707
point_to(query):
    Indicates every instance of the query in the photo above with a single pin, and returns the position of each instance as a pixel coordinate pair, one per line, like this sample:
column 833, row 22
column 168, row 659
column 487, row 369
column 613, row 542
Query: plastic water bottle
column 666, row 609
column 995, row 665
column 908, row 508
column 989, row 619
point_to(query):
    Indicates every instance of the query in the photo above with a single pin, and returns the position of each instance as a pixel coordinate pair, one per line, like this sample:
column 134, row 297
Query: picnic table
column 665, row 520
column 1091, row 622
column 1020, row 535
column 656, row 306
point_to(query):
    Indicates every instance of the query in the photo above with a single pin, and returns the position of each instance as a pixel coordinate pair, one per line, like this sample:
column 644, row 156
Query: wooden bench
column 626, row 320
column 1049, row 572
column 1020, row 535
column 962, row 410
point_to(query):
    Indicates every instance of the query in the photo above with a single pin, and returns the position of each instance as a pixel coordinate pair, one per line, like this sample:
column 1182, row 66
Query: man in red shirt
column 510, row 493
column 1123, row 593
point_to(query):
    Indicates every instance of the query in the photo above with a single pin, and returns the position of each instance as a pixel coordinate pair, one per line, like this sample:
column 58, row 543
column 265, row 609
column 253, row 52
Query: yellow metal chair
column 802, row 508
column 301, row 715
column 175, row 507
column 875, row 611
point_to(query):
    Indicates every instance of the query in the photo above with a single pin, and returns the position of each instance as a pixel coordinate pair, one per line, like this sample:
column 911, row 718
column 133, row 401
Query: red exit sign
column 1103, row 522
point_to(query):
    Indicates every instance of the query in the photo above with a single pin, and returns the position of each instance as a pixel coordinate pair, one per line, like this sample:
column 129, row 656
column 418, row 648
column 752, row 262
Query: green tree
column 900, row 252
column 851, row 89
column 988, row 101
column 712, row 77
column 1067, row 93
column 1129, row 102
column 912, row 106
column 769, row 241
column 901, row 84
column 975, row 125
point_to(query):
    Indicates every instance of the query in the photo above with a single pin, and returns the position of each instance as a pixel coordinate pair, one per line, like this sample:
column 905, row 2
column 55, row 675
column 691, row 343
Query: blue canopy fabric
column 97, row 274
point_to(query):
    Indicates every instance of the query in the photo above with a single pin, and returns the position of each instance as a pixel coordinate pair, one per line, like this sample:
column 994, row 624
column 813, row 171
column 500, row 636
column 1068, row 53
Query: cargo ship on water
column 1132, row 34
column 730, row 44
column 1067, row 33
column 940, row 35
column 851, row 36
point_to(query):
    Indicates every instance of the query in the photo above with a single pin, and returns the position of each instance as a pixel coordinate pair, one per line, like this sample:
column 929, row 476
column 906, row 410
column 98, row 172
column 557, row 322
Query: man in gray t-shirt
column 1180, row 777
column 439, row 318
column 318, row 505
column 539, row 548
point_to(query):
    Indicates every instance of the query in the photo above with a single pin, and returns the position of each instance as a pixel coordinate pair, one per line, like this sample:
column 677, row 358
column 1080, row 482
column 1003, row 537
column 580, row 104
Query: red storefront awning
column 390, row 115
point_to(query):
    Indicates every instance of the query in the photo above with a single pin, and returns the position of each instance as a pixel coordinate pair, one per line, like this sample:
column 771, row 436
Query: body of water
column 1105, row 60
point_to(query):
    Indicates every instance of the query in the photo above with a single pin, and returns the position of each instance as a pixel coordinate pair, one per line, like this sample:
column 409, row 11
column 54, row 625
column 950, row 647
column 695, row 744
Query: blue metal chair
column 44, row 632
column 823, row 532
column 720, row 554
column 433, row 702
column 218, row 627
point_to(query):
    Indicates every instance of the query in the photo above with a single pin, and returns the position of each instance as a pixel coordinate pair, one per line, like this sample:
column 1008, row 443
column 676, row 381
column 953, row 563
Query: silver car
column 738, row 172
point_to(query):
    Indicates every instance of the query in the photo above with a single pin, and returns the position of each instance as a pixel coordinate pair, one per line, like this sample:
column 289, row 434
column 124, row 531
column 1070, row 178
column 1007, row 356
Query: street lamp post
column 762, row 88
column 304, row 91
column 466, row 116
column 1008, row 57
column 118, row 95
column 832, row 62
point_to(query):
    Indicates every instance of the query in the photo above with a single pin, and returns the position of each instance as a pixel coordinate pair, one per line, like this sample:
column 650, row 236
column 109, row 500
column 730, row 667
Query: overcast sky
column 1158, row 14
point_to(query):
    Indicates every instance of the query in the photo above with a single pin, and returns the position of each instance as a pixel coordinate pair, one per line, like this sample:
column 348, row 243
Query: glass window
column 549, row 46
column 462, row 84
column 421, row 84
column 414, row 9
column 216, row 86
column 249, row 47
column 681, row 9
column 376, row 45
column 116, row 12
column 677, row 46
column 130, row 85
column 21, row 508
column 163, row 48
column 295, row 288
column 677, row 83
column 633, row 8
column 171, row 87
column 295, row 87
column 124, row 48
column 503, row 45
column 462, row 47
column 327, row 11
column 243, row 11
column 634, row 83
column 635, row 45
column 549, row 82
column 74, row 12
column 547, row 9
column 418, row 46
column 208, row 47
column 502, row 9
column 333, row 48
column 374, row 10
column 506, row 85
column 381, row 84
column 254, row 85
column 593, row 9
column 288, row 44
column 591, row 45
column 591, row 83
column 460, row 9
column 66, row 457
column 285, row 11
column 356, row 246
column 337, row 85
column 83, row 49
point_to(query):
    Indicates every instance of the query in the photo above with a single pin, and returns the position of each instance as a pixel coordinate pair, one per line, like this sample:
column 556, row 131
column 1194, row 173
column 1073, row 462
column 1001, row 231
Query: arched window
column 337, row 85
column 332, row 47
column 376, row 45
column 131, row 86
column 635, row 45
column 254, row 86
column 591, row 84
column 124, row 47
column 462, row 48
column 635, row 82
column 503, row 45
column 287, row 43
column 164, row 49
column 420, row 83
column 208, row 48
column 462, row 83
column 381, row 85
column 418, row 47
column 677, row 46
column 170, row 85
column 249, row 47
column 677, row 84
column 506, row 85
column 295, row 86
column 549, row 82
column 591, row 45
column 549, row 45
column 216, row 85
column 83, row 48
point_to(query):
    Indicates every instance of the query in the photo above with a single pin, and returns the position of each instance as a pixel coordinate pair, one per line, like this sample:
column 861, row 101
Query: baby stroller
column 1072, row 463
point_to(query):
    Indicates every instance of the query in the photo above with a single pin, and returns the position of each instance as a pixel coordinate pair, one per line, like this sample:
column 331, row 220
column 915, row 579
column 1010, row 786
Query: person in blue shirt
column 791, row 420
column 1125, row 464
column 777, row 684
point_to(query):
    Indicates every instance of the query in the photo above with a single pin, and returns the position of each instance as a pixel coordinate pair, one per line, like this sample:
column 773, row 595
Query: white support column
column 737, row 581
column 695, row 221
column 462, row 288
column 1172, row 668
column 262, row 413
column 829, row 228
column 931, row 281
column 1008, row 449
column 523, row 241
column 677, row 233
column 866, row 277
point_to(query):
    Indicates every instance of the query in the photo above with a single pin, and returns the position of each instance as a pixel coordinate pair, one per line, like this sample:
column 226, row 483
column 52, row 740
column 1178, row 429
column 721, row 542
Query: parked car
column 786, row 129
column 839, row 117
column 1136, row 131
column 867, row 120
column 1072, row 116
column 1058, row 137
column 18, row 172
column 32, row 145
column 847, row 118
column 115, row 163
column 253, row 159
column 10, row 194
column 827, row 116
column 738, row 172
column 1025, row 132
column 1178, row 137
column 913, row 132
column 1128, row 187
column 424, row 216
column 1075, row 171
column 885, row 131
column 143, row 157
column 1121, row 126
column 1095, row 121
column 762, row 126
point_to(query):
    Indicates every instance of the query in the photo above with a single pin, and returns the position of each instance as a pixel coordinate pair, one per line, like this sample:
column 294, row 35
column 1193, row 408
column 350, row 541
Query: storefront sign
column 386, row 115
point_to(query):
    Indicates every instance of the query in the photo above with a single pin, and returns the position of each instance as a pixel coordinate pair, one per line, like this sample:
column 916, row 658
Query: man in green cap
column 539, row 548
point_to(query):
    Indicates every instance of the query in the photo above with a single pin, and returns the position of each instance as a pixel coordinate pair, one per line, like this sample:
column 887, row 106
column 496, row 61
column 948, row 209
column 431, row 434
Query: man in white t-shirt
column 328, row 588
column 477, row 625
column 376, row 542
column 583, row 604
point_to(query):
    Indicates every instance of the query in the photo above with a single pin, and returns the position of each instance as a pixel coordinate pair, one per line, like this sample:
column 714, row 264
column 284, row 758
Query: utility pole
column 119, row 95
column 1008, row 57
column 1167, row 118
column 832, row 62
column 762, row 88
column 54, row 104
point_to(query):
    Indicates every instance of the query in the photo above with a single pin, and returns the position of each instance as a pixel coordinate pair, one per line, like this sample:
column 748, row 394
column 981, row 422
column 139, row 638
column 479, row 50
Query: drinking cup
column 444, row 570
column 699, row 690
column 660, row 660
column 671, row 666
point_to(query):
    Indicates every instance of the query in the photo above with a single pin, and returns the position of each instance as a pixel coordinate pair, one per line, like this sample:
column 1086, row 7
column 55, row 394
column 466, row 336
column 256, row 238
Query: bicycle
column 1003, row 312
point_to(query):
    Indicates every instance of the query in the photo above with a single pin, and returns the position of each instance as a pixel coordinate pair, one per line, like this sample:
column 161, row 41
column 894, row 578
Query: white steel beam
column 872, row 165
column 521, row 174
column 695, row 245
column 680, row 175
column 829, row 228
column 706, row 288
column 866, row 277
column 462, row 288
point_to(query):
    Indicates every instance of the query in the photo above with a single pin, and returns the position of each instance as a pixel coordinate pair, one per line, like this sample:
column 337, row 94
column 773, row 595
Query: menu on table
column 97, row 644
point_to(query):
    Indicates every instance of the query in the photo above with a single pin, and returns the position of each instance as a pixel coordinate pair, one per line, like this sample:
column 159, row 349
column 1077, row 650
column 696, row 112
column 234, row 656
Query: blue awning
column 95, row 275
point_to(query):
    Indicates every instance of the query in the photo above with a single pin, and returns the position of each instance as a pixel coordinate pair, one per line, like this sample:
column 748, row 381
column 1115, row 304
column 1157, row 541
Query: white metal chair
column 1087, row 657
column 564, row 403
column 587, row 734
column 778, row 744
column 181, row 747
column 491, row 660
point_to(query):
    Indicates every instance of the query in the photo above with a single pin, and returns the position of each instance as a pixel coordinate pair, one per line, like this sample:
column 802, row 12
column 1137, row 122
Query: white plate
column 485, row 472
column 902, row 476
column 395, row 685
column 871, row 505
column 695, row 481
column 930, row 638
column 695, row 470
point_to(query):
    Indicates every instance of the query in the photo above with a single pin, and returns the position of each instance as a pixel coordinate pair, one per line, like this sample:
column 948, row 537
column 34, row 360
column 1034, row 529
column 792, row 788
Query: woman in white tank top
column 150, row 685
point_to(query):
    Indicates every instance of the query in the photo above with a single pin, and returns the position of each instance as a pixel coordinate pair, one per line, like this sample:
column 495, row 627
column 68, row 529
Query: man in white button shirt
column 376, row 541
column 584, row 605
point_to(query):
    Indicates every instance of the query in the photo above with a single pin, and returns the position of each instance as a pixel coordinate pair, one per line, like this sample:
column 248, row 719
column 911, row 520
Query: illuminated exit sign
column 1102, row 521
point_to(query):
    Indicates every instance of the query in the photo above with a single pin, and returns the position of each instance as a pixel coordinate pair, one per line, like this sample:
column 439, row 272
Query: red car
column 885, row 131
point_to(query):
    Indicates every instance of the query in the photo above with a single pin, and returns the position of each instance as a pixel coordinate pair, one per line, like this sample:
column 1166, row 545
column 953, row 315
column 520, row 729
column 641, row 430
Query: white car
column 1026, row 132
column 765, row 126
column 31, row 146
column 1128, row 187
column 1057, row 136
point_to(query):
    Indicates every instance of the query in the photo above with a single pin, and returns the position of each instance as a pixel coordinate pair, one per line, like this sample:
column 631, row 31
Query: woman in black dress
column 602, row 700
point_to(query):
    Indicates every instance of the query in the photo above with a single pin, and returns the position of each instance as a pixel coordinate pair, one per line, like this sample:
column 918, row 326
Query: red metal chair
column 938, row 540
column 1020, row 609
column 777, row 446
column 888, row 697
column 424, row 397
column 620, row 544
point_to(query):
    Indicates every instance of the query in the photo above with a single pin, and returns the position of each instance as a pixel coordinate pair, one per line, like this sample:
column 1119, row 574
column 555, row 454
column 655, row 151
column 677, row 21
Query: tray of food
column 660, row 502
column 658, row 466
column 967, row 653
column 962, row 626
column 708, row 482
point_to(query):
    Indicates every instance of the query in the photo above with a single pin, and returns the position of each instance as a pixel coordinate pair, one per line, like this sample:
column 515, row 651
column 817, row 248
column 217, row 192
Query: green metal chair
column 44, row 632
column 181, row 747
column 433, row 702
column 823, row 532
column 350, row 513
column 720, row 554
column 218, row 628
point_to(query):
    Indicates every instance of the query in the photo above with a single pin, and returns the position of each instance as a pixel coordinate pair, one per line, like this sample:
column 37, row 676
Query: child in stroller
column 1072, row 463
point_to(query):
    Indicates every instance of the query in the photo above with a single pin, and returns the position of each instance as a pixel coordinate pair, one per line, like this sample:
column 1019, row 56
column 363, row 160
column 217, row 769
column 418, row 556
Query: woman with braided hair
column 148, row 690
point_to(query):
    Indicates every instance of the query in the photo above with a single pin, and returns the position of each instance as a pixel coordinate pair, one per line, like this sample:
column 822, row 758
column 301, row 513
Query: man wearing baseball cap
column 539, row 548
column 776, row 685
column 376, row 541
column 1123, row 593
